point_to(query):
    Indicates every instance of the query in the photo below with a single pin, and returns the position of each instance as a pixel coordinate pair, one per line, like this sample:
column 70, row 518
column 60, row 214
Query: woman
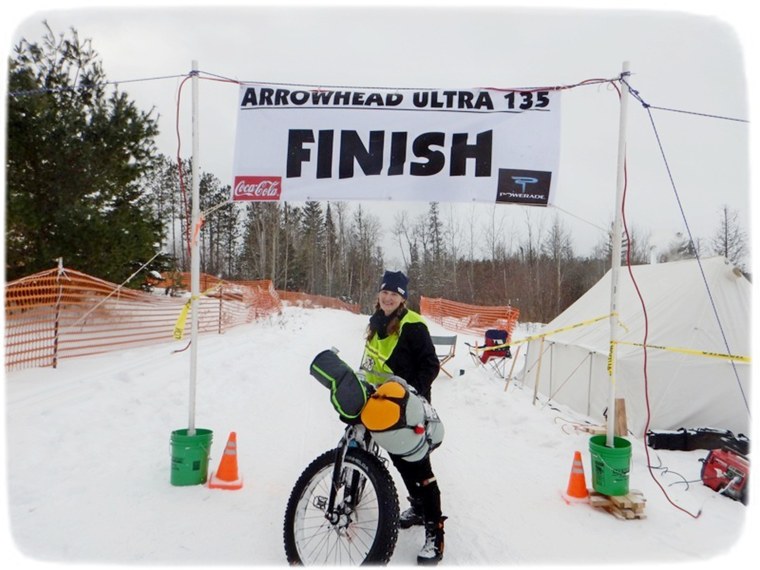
column 398, row 343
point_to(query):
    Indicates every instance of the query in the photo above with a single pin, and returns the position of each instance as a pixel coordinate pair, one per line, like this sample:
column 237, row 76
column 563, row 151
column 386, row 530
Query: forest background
column 86, row 184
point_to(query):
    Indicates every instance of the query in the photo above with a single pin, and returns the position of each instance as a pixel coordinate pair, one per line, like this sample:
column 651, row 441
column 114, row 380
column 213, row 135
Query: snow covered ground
column 88, row 462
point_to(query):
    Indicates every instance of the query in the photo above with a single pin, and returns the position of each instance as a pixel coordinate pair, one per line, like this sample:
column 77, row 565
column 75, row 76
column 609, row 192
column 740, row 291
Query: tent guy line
column 636, row 95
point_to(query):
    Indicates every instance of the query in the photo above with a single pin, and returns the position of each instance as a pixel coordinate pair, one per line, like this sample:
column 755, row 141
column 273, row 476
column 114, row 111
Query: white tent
column 696, row 314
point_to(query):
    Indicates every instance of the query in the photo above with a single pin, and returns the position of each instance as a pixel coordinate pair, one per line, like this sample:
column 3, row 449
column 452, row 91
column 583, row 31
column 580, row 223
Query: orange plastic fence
column 292, row 297
column 476, row 319
column 59, row 314
column 316, row 301
column 259, row 293
column 62, row 313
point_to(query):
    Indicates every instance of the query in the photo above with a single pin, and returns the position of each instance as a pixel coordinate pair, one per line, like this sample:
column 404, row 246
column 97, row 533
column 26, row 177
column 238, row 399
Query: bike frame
column 354, row 435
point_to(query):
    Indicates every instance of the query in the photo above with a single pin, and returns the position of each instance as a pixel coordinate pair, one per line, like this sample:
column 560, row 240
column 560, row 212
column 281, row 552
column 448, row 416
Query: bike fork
column 330, row 512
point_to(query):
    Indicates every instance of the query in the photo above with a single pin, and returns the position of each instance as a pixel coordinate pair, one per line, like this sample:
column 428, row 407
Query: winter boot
column 432, row 551
column 411, row 516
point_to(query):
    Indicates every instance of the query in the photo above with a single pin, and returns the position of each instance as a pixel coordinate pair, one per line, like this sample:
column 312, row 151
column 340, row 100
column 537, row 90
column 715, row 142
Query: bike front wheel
column 363, row 525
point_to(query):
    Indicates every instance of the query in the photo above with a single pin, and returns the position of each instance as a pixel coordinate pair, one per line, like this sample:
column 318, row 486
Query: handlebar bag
column 402, row 422
column 348, row 393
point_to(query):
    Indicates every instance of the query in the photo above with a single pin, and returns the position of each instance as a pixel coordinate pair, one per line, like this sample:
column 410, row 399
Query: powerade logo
column 526, row 187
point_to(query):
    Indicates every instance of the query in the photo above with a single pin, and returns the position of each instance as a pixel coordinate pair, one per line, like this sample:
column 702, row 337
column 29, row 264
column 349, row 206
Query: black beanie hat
column 395, row 281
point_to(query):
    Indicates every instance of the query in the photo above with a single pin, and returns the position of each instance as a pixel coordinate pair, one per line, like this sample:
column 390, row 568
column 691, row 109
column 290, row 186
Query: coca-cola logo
column 257, row 188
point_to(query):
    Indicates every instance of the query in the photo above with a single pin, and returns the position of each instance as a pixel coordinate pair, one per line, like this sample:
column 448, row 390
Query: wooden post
column 621, row 423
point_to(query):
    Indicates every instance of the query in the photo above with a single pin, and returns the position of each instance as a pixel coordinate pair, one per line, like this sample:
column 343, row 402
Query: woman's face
column 389, row 301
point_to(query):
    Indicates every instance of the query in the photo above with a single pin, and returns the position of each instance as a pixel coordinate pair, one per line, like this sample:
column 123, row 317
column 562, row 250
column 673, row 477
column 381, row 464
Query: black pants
column 421, row 484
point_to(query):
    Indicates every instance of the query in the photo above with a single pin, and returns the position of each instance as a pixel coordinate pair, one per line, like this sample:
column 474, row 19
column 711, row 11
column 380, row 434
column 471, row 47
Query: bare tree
column 330, row 258
column 558, row 248
column 453, row 242
column 494, row 235
column 404, row 236
column 730, row 240
column 634, row 247
column 530, row 258
column 365, row 257
column 470, row 266
column 341, row 283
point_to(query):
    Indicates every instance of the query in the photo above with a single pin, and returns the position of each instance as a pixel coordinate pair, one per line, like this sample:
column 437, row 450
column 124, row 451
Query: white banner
column 460, row 145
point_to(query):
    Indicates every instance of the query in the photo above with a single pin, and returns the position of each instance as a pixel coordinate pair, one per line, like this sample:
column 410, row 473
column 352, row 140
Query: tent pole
column 512, row 368
column 195, row 274
column 617, row 237
column 538, row 369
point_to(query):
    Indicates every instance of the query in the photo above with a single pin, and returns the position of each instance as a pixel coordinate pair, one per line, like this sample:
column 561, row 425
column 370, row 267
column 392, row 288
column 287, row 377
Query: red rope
column 179, row 169
column 644, row 343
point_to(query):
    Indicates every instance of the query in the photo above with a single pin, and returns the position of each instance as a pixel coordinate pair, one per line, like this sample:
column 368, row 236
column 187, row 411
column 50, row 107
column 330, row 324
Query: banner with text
column 447, row 145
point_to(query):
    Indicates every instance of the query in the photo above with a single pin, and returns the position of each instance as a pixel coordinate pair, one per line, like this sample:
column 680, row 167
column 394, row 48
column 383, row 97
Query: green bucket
column 190, row 456
column 610, row 465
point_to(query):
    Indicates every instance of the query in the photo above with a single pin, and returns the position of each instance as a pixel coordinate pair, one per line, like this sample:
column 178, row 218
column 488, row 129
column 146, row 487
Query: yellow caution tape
column 179, row 326
column 611, row 359
column 692, row 351
column 539, row 336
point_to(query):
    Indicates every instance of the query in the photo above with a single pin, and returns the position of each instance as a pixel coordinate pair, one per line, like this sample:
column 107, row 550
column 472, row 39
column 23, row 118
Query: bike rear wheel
column 365, row 529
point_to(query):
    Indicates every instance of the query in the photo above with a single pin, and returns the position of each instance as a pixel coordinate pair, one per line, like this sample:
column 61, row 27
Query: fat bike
column 343, row 509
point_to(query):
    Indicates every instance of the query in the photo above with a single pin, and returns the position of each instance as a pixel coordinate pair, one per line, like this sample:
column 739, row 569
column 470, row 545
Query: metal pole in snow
column 617, row 237
column 57, row 312
column 195, row 274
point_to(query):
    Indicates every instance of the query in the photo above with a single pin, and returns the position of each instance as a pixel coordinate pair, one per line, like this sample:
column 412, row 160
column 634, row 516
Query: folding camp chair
column 494, row 352
column 445, row 350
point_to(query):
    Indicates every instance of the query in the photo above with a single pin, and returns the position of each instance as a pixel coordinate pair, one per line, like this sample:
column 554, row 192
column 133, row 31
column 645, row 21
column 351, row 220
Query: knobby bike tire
column 384, row 489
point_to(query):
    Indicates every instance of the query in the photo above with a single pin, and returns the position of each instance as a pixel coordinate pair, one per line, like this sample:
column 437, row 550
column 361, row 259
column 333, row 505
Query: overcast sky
column 693, row 58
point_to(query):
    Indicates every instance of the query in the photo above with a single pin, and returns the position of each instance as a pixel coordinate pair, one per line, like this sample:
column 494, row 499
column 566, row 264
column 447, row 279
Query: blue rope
column 691, row 239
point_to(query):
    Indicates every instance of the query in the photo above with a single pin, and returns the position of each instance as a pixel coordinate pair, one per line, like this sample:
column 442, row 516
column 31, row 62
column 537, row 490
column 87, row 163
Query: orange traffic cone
column 576, row 487
column 226, row 477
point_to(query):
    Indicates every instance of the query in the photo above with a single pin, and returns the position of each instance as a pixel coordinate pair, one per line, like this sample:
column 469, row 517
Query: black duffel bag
column 348, row 392
column 698, row 438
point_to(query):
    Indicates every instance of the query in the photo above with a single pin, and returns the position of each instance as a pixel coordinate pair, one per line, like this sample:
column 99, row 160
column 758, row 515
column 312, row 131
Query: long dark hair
column 393, row 323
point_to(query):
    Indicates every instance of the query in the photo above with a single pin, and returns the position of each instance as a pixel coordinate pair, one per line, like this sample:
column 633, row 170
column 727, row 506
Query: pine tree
column 163, row 183
column 311, row 252
column 77, row 152
column 680, row 247
column 260, row 257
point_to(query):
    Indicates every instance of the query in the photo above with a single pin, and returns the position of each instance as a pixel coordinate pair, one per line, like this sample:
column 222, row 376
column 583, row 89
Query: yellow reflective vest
column 378, row 350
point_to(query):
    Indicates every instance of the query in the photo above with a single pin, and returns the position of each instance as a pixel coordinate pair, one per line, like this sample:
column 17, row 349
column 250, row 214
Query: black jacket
column 414, row 358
